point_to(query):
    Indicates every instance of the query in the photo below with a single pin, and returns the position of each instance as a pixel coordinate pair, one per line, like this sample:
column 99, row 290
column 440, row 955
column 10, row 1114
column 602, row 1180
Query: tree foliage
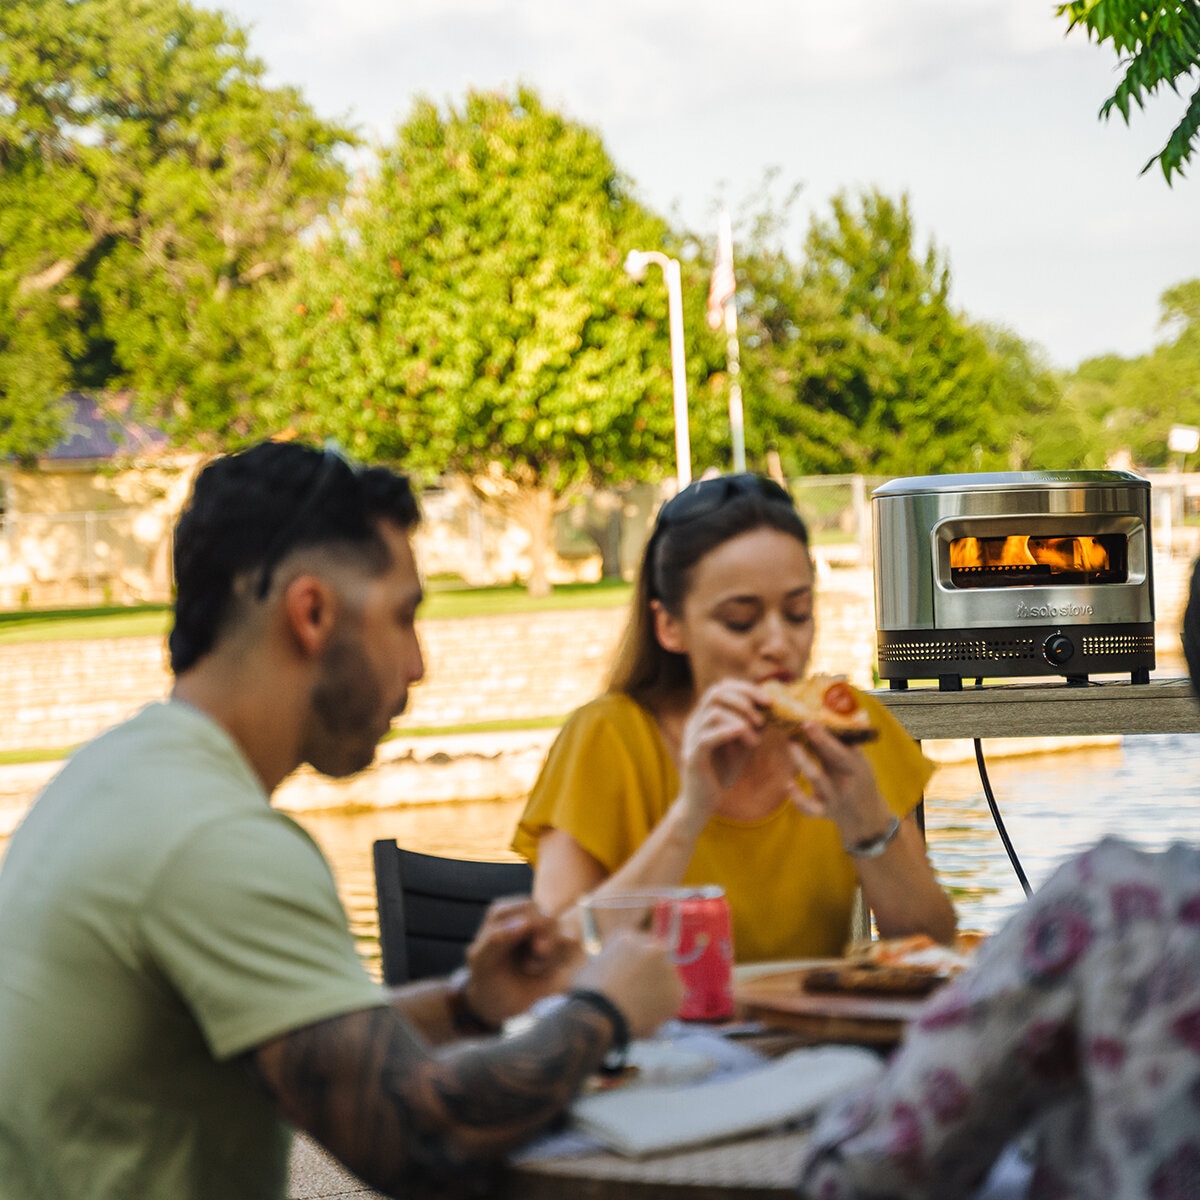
column 857, row 360
column 466, row 308
column 1159, row 46
column 1134, row 402
column 470, row 312
column 149, row 184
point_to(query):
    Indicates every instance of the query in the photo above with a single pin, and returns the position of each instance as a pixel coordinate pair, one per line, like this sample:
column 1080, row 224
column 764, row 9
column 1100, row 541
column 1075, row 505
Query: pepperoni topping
column 839, row 698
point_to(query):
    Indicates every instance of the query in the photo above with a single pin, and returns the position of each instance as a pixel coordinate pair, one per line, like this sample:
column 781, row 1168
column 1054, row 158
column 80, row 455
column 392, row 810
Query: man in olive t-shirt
column 178, row 986
column 152, row 932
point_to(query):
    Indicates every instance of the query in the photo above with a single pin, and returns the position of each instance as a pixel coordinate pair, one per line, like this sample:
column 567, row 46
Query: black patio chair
column 430, row 908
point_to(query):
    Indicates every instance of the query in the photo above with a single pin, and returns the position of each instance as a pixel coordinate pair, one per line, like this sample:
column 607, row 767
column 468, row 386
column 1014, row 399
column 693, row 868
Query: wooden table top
column 1046, row 709
column 763, row 1167
column 752, row 1168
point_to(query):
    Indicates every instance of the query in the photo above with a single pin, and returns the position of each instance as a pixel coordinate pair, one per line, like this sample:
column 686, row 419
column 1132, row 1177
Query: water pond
column 1146, row 789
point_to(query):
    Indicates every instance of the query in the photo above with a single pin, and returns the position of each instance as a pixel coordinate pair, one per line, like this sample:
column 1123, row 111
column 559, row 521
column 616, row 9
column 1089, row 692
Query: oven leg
column 1140, row 675
column 898, row 685
column 949, row 683
column 1077, row 681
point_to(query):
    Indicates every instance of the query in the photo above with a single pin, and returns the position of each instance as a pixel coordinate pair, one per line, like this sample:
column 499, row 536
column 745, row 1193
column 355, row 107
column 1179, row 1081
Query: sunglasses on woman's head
column 706, row 495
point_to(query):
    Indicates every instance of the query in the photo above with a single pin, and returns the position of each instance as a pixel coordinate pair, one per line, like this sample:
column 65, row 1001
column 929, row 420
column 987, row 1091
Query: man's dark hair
column 249, row 511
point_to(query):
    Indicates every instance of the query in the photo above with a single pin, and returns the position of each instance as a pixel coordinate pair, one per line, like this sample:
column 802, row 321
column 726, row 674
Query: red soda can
column 697, row 926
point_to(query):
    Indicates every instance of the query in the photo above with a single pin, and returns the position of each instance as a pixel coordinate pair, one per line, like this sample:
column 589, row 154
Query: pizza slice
column 910, row 966
column 826, row 699
column 877, row 980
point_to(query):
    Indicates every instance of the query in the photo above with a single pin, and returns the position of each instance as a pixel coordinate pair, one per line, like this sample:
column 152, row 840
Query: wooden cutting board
column 779, row 1001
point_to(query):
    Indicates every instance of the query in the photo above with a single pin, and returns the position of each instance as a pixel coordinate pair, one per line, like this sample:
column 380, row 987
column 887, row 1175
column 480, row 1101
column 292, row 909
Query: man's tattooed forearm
column 408, row 1119
column 526, row 1081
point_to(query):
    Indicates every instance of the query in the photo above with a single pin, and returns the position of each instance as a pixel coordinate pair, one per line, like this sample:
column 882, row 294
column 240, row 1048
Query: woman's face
column 749, row 612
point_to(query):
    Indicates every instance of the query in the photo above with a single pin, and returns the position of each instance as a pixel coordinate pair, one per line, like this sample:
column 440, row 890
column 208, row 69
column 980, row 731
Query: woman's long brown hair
column 659, row 679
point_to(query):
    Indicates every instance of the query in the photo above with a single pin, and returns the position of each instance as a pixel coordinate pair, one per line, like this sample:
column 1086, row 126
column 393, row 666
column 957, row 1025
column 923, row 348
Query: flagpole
column 737, row 427
column 722, row 308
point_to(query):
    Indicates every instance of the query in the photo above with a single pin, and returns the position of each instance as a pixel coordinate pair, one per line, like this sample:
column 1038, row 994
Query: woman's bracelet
column 614, row 1060
column 874, row 847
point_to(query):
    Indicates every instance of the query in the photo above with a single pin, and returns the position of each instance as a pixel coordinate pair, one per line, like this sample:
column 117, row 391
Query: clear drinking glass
column 653, row 910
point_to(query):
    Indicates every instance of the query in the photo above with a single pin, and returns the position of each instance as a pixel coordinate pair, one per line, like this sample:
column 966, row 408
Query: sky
column 984, row 112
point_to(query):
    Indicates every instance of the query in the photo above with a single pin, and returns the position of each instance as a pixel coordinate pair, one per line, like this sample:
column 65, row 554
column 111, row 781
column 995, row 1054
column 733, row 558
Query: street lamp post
column 636, row 262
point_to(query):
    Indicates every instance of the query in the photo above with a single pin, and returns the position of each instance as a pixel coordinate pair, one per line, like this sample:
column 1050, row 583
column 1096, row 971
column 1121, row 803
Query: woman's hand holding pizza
column 822, row 774
column 842, row 785
column 719, row 738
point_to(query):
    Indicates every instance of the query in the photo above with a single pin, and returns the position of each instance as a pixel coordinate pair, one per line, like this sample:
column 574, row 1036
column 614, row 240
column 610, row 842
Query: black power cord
column 1000, row 829
column 991, row 799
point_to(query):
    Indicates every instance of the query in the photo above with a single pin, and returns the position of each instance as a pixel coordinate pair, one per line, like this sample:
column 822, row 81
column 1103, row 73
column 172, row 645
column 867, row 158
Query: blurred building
column 90, row 521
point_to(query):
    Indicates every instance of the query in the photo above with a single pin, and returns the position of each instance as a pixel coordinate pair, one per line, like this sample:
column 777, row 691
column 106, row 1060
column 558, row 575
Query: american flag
column 722, row 287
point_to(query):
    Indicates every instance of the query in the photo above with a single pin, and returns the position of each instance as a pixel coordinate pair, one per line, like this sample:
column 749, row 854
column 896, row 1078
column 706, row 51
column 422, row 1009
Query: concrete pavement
column 317, row 1176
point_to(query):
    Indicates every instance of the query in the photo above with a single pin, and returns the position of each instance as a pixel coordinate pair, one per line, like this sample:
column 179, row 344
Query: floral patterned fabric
column 1079, row 1022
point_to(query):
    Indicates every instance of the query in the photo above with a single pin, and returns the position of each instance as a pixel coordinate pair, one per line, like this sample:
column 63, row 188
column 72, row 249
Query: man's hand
column 635, row 972
column 518, row 956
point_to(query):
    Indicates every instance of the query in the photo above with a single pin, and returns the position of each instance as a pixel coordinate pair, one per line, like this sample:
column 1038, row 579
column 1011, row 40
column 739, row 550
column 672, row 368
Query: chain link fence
column 65, row 559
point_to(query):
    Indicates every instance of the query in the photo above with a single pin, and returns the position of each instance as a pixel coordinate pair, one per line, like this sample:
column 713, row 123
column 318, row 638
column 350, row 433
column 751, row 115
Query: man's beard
column 346, row 706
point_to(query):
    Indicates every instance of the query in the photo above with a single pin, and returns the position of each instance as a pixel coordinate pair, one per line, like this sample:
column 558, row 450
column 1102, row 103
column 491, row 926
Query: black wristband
column 614, row 1060
column 462, row 1016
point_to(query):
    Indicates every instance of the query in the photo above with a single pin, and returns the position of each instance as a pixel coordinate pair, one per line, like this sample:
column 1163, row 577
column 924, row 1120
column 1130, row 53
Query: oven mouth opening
column 1025, row 560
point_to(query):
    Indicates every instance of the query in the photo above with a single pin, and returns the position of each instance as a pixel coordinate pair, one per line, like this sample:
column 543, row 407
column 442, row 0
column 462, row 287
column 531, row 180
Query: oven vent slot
column 1118, row 644
column 957, row 650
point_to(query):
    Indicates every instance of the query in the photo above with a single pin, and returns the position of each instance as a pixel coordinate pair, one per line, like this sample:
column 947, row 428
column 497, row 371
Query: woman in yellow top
column 674, row 775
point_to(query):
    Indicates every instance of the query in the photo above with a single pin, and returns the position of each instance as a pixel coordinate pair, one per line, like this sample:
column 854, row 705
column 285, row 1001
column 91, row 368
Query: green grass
column 830, row 537
column 444, row 599
column 74, row 624
column 9, row 758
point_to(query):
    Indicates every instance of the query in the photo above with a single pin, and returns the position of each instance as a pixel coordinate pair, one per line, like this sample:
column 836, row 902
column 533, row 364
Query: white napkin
column 649, row 1120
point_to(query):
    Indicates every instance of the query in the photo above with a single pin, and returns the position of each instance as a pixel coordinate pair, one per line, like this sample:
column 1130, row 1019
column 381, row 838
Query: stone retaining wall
column 537, row 665
column 56, row 694
column 478, row 669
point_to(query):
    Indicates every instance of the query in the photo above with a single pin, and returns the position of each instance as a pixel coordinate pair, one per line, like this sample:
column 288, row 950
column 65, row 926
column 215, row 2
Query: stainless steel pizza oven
column 1022, row 573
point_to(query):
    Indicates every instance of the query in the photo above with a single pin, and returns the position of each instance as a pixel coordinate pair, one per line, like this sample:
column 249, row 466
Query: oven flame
column 1057, row 553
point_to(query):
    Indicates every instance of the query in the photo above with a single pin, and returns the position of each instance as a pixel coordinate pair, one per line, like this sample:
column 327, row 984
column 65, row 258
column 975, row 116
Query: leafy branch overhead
column 1158, row 45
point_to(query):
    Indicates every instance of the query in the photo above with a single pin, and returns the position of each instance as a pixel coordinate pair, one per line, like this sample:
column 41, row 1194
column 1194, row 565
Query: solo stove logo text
column 1054, row 610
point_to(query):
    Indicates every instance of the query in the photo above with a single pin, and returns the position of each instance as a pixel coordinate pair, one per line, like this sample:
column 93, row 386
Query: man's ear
column 310, row 610
column 667, row 629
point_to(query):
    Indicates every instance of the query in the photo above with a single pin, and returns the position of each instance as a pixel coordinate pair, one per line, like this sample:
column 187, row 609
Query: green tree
column 858, row 362
column 1090, row 392
column 1054, row 430
column 150, row 184
column 470, row 313
column 1162, row 388
column 1158, row 45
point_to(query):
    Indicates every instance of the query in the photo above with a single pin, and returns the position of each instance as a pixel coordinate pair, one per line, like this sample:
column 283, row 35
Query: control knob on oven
column 1058, row 649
